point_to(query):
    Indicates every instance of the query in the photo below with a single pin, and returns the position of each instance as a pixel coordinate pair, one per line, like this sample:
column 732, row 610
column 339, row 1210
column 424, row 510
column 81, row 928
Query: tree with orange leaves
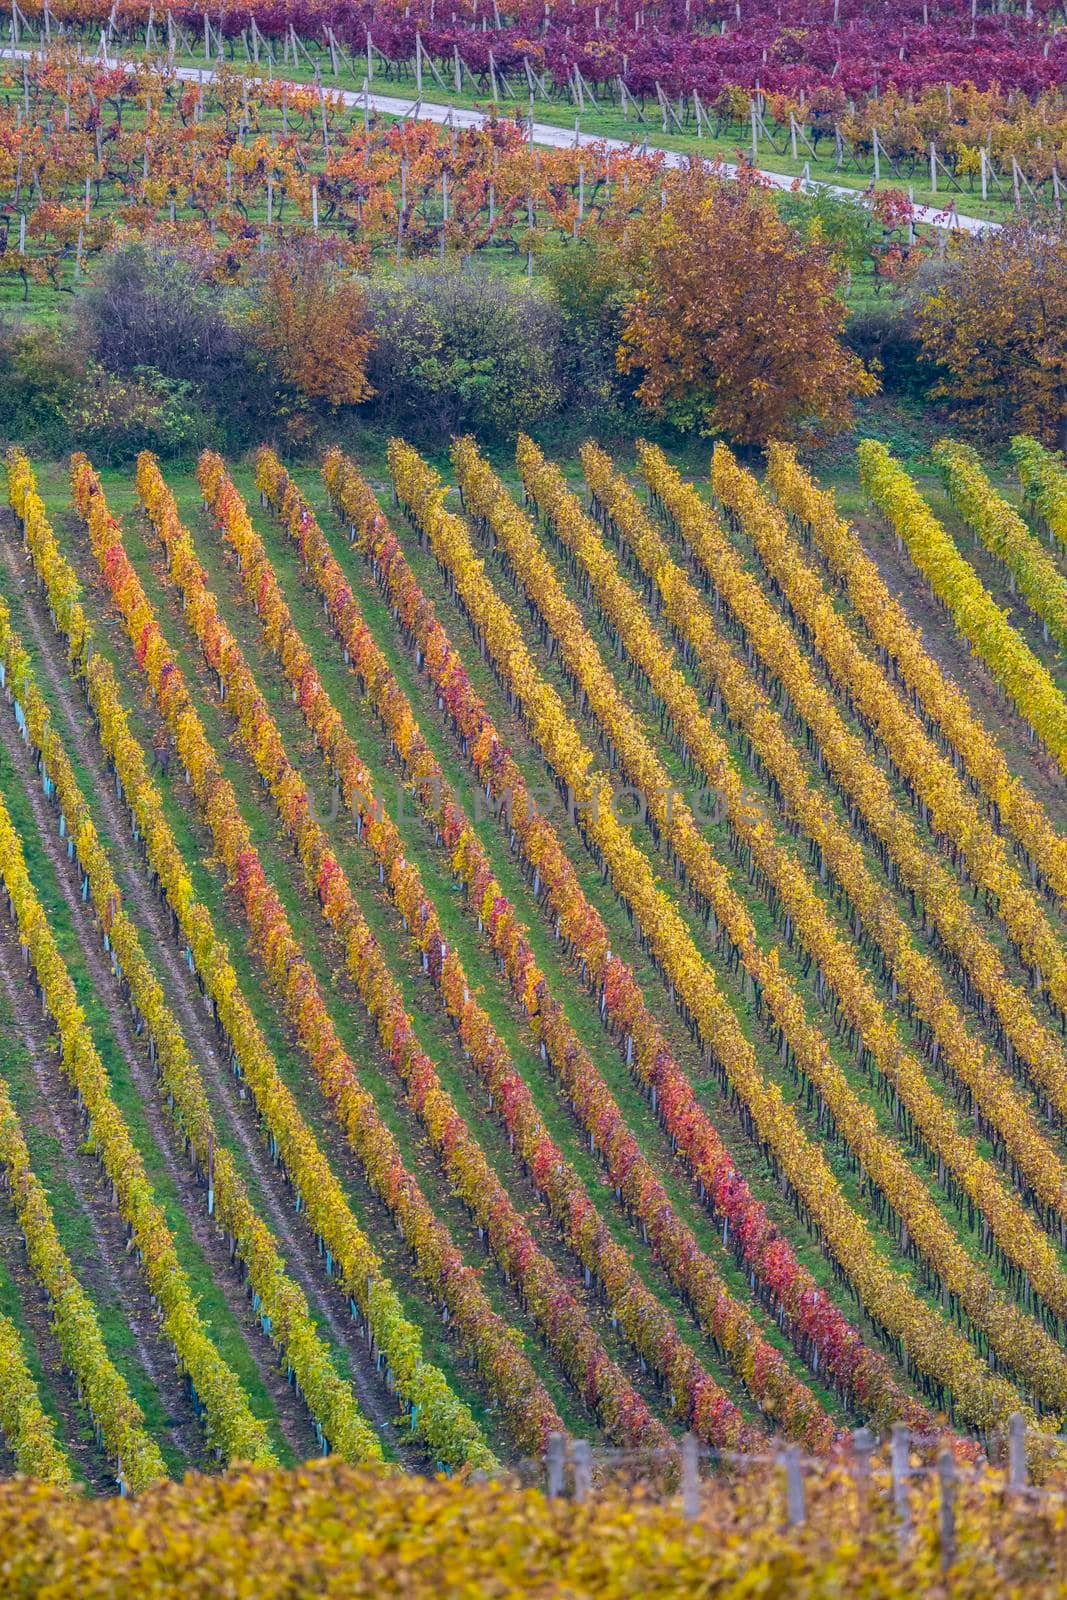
column 733, row 322
column 996, row 325
column 313, row 321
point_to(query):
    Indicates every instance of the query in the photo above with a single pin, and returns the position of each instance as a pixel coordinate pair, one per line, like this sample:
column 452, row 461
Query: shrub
column 115, row 415
column 886, row 338
column 311, row 320
column 41, row 372
column 733, row 321
column 457, row 349
column 160, row 310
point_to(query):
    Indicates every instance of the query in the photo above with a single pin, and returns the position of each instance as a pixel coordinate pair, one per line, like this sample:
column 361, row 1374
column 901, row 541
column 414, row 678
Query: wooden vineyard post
column 795, row 1509
column 900, row 1467
column 582, row 1461
column 1017, row 1453
column 690, row 1477
column 863, row 1449
column 555, row 1455
column 946, row 1473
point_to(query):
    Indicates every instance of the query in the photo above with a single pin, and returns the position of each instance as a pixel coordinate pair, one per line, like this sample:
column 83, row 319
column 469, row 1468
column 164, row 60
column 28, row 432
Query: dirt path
column 241, row 1126
column 111, row 1272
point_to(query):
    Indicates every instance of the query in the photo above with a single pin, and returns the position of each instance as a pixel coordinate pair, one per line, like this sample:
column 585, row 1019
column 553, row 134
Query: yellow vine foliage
column 563, row 1321
column 327, row 1532
column 832, row 1347
column 1005, row 535
column 935, row 890
column 953, row 812
column 925, row 1339
column 498, row 1355
column 26, row 1426
column 232, row 1430
column 956, row 584
column 436, row 1413
column 280, row 1302
column 709, row 1412
column 747, row 703
column 1016, row 1233
column 941, row 701
column 1044, row 480
column 118, row 1420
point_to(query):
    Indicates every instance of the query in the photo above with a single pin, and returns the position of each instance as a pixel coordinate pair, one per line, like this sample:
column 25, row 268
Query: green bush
column 40, row 373
column 457, row 349
column 114, row 415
